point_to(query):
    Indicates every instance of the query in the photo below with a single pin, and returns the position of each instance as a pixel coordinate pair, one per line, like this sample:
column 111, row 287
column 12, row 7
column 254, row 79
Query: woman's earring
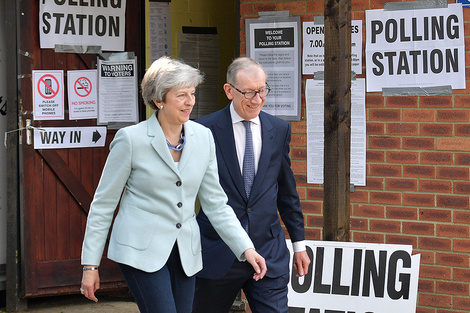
column 161, row 107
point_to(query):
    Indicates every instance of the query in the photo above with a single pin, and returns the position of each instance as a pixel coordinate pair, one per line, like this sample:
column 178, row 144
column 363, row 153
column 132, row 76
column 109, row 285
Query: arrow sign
column 69, row 137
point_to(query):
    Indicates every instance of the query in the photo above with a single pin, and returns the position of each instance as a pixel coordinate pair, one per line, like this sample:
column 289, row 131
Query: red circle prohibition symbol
column 83, row 83
column 49, row 92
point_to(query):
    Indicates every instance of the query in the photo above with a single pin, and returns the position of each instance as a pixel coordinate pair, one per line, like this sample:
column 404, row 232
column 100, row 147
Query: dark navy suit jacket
column 273, row 190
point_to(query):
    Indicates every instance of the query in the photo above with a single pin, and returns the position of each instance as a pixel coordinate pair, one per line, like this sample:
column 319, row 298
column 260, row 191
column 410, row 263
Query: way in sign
column 69, row 137
column 58, row 137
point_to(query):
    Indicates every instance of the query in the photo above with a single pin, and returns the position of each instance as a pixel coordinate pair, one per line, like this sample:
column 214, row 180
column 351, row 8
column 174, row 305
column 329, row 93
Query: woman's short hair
column 166, row 74
column 241, row 63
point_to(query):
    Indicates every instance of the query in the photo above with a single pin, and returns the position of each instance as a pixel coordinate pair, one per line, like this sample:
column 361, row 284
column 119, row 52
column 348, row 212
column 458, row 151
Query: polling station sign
column 415, row 48
column 82, row 23
column 348, row 277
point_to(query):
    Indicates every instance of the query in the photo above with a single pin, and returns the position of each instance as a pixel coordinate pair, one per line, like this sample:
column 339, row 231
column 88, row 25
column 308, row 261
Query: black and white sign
column 69, row 137
column 415, row 48
column 346, row 277
column 83, row 23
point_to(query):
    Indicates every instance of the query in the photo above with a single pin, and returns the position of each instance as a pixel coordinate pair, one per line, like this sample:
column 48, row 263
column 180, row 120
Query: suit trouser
column 268, row 295
column 167, row 290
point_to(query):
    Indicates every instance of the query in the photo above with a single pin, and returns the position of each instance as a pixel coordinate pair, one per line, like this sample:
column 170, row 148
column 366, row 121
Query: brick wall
column 418, row 173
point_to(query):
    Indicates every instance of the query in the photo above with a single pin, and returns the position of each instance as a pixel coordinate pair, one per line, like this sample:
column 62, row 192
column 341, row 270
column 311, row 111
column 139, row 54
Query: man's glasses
column 250, row 94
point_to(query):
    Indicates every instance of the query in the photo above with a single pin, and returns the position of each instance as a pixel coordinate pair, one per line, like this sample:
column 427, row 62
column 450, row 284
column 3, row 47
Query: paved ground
column 79, row 304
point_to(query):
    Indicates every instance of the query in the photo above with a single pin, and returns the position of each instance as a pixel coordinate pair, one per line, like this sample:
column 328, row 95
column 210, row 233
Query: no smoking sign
column 83, row 96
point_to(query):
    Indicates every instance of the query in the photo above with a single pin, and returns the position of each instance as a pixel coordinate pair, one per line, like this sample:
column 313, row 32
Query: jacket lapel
column 223, row 134
column 159, row 142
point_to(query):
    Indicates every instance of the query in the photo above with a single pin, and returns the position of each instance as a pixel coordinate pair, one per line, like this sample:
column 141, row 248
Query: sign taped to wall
column 355, row 277
column 82, row 23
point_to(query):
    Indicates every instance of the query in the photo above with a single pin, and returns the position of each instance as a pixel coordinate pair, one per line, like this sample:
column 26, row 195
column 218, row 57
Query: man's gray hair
column 241, row 63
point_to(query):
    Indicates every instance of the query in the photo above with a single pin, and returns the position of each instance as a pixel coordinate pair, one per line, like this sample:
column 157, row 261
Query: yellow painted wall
column 205, row 13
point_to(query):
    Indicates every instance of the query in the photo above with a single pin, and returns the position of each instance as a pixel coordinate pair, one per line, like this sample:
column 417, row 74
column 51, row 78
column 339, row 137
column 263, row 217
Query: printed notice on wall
column 347, row 277
column 83, row 94
column 117, row 100
column 82, row 23
column 48, row 95
column 314, row 98
column 159, row 29
column 276, row 46
column 313, row 53
column 415, row 48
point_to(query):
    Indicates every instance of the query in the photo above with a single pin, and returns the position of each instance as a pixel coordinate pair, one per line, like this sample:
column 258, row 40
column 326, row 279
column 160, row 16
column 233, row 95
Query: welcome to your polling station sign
column 349, row 277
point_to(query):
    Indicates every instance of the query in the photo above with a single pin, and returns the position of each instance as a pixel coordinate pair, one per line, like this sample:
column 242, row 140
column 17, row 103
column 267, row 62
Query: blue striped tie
column 248, row 159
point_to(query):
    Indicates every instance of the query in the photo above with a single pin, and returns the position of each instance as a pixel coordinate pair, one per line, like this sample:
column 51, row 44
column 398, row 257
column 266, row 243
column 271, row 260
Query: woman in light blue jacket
column 159, row 166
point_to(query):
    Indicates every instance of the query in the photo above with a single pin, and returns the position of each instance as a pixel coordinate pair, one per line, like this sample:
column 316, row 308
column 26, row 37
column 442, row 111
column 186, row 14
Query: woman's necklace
column 179, row 146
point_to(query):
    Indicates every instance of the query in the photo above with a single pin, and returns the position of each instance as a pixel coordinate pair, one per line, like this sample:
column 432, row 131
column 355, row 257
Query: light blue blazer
column 158, row 200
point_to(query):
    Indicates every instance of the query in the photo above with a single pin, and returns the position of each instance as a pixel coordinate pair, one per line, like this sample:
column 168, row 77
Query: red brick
column 456, row 202
column 462, row 188
column 299, row 127
column 418, row 143
column 402, row 102
column 314, row 221
column 403, row 157
column 385, row 197
column 299, row 153
column 425, row 285
column 462, row 303
column 401, row 240
column 384, row 142
column 375, row 128
column 455, row 231
column 298, row 140
column 387, row 170
column 428, row 157
column 314, row 194
column 462, row 245
column 301, row 179
column 375, row 156
column 384, row 114
column 418, row 115
column 436, row 102
column 315, row 6
column 292, row 7
column 462, row 130
column 418, row 228
column 264, row 7
column 452, row 259
column 401, row 184
column 436, row 129
column 374, row 100
column 299, row 166
column 359, row 196
column 452, row 288
column 453, row 144
column 369, row 210
column 416, row 199
column 410, row 129
column 246, row 9
column 461, row 274
column 462, row 159
column 368, row 237
column 435, row 215
column 427, row 257
column 385, row 226
column 462, row 217
column 462, row 101
column 401, row 213
column 419, row 171
column 434, row 300
column 453, row 116
column 455, row 173
column 373, row 183
column 440, row 186
column 359, row 224
column 436, row 272
column 302, row 193
column 311, row 207
column 433, row 243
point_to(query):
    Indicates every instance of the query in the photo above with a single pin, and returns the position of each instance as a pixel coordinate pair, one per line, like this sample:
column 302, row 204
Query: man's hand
column 258, row 263
column 301, row 263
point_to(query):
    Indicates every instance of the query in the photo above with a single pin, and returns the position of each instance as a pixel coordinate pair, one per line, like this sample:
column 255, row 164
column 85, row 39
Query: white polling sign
column 48, row 95
column 69, row 137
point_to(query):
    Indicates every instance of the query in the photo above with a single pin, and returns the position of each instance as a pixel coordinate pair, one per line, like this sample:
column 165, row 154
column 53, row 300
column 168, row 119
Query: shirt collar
column 236, row 118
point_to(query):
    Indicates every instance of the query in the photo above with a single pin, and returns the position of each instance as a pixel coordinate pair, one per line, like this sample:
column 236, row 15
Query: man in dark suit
column 256, row 203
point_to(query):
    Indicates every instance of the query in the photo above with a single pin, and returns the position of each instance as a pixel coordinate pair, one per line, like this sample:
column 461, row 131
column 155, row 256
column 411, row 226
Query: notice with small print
column 83, row 95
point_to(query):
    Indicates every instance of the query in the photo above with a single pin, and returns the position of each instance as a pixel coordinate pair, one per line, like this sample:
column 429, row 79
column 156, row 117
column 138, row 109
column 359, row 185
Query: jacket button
column 178, row 225
column 178, row 183
column 179, row 204
column 249, row 210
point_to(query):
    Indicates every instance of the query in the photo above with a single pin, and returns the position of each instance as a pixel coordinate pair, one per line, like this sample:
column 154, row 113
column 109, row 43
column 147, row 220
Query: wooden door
column 58, row 184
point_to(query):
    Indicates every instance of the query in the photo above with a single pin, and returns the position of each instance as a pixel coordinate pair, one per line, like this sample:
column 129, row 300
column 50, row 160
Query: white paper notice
column 314, row 96
column 159, row 29
column 48, row 95
column 313, row 53
column 117, row 101
column 83, row 94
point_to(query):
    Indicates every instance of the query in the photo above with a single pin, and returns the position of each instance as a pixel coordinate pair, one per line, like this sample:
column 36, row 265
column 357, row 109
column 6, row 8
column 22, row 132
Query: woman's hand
column 258, row 263
column 90, row 283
